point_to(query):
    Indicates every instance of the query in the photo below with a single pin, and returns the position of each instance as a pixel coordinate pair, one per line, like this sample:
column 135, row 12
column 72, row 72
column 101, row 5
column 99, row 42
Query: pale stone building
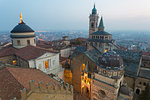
column 24, row 52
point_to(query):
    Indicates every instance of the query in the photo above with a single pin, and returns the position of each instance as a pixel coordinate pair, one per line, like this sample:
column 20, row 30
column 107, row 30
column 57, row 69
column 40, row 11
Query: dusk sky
column 43, row 15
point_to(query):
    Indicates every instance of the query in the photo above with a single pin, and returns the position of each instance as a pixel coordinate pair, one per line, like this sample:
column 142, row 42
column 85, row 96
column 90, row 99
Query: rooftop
column 15, row 79
column 131, row 61
column 144, row 73
column 27, row 53
column 22, row 28
column 100, row 33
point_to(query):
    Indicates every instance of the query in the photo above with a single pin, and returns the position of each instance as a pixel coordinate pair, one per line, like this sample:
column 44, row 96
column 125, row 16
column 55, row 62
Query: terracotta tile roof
column 31, row 52
column 9, row 86
column 12, row 80
column 9, row 50
column 27, row 53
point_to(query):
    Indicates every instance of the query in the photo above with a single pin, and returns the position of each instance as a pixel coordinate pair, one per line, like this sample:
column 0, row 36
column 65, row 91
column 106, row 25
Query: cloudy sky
column 73, row 14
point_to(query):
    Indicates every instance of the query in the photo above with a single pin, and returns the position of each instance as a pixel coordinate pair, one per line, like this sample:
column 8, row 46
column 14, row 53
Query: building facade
column 24, row 52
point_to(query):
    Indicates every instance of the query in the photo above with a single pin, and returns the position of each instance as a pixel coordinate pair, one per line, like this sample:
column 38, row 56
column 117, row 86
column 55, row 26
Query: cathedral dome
column 110, row 59
column 21, row 28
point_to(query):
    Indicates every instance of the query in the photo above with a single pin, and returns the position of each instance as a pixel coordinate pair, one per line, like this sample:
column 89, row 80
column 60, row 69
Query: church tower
column 22, row 35
column 101, row 40
column 93, row 21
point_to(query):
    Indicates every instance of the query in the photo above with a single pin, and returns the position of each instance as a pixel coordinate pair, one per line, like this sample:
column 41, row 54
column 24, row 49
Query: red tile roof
column 12, row 80
column 7, row 51
column 27, row 53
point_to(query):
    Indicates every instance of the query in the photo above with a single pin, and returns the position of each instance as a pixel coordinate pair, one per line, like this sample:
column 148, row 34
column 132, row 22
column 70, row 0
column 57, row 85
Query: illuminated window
column 46, row 64
column 106, row 50
column 18, row 42
column 83, row 66
column 14, row 62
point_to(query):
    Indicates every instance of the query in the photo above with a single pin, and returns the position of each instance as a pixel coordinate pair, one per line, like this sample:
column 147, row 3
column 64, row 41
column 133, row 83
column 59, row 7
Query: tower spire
column 94, row 5
column 94, row 11
column 20, row 18
column 101, row 25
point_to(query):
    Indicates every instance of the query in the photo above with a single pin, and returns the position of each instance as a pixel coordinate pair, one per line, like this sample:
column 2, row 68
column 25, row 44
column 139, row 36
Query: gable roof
column 27, row 53
column 93, row 54
column 12, row 80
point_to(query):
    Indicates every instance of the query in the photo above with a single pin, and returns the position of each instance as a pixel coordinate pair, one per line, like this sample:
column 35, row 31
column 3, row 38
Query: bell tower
column 93, row 22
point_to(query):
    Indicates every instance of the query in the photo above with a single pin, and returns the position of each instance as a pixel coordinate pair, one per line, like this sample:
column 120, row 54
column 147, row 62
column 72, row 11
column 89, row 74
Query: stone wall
column 140, row 84
column 130, row 81
column 110, row 92
column 77, row 69
column 7, row 59
column 19, row 61
column 50, row 92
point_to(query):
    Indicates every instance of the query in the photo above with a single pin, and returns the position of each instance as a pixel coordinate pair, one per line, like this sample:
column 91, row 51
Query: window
column 92, row 25
column 34, row 40
column 28, row 42
column 144, row 84
column 18, row 42
column 106, row 49
column 14, row 62
column 83, row 66
column 46, row 64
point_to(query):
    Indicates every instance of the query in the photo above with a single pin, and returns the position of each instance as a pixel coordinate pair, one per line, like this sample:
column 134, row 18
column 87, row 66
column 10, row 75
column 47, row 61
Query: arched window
column 138, row 91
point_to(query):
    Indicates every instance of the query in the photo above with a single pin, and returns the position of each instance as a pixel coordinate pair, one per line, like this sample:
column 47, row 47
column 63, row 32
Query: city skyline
column 73, row 15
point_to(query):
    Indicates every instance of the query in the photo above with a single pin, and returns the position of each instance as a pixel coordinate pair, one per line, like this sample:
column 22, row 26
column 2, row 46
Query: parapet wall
column 62, row 91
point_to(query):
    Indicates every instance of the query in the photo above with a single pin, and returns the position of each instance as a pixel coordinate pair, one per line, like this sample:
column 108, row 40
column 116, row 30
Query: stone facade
column 53, row 63
column 23, row 42
column 140, row 85
column 129, row 81
column 77, row 64
column 50, row 92
column 105, row 88
column 19, row 61
column 93, row 22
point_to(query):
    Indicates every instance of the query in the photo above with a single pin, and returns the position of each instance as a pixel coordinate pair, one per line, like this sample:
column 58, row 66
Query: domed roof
column 110, row 59
column 22, row 28
column 94, row 11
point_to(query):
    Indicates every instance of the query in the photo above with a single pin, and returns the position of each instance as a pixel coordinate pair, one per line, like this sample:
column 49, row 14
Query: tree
column 145, row 95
